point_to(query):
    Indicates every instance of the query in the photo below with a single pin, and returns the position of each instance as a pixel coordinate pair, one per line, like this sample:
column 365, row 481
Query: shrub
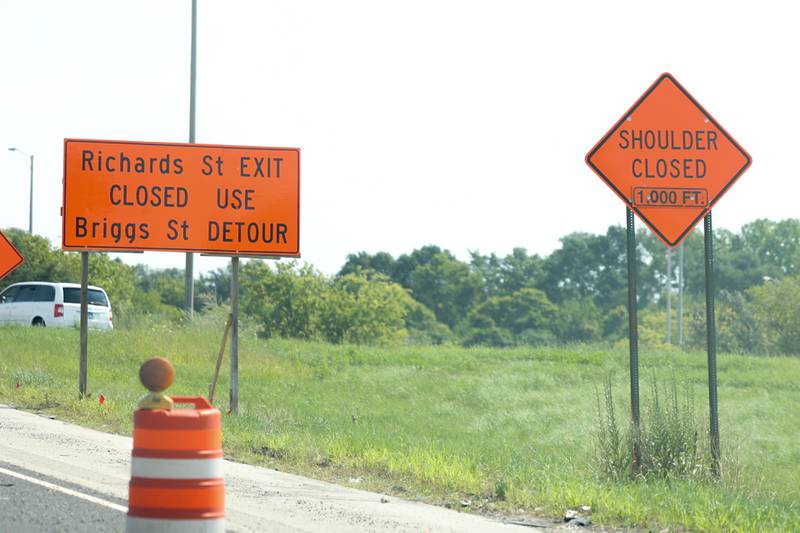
column 578, row 320
column 301, row 302
column 422, row 326
column 525, row 316
column 363, row 311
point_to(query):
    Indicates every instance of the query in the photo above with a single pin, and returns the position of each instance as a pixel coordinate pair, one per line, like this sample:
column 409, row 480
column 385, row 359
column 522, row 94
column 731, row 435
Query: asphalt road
column 94, row 468
column 30, row 502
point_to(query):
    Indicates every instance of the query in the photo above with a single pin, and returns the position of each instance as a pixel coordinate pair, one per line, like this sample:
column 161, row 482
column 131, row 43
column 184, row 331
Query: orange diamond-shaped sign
column 10, row 258
column 668, row 160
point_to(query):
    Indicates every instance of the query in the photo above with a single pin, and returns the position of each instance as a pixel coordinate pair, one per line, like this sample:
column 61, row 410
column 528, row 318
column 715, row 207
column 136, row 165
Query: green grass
column 509, row 429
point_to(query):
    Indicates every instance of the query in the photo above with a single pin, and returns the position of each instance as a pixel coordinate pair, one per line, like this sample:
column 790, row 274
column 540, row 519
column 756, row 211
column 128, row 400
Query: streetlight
column 30, row 208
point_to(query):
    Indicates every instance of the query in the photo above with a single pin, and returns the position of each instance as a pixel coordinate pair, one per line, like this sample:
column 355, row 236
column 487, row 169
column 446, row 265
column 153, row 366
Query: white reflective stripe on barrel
column 136, row 524
column 176, row 468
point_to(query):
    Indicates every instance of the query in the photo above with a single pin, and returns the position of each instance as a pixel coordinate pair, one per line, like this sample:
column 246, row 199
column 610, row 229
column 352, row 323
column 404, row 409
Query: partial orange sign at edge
column 10, row 258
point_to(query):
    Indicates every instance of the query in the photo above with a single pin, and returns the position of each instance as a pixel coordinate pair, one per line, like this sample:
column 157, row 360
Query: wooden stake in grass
column 219, row 359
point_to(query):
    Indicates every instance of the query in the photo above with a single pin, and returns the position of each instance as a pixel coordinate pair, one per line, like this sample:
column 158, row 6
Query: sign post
column 681, row 248
column 670, row 162
column 633, row 339
column 10, row 258
column 84, row 335
column 234, row 393
column 711, row 338
column 668, row 290
column 236, row 201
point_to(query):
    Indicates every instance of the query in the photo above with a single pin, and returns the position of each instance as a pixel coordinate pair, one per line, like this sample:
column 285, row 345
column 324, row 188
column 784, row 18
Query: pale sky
column 462, row 124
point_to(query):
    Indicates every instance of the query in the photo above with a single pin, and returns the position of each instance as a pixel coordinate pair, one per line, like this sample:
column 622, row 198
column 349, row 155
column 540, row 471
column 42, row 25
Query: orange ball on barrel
column 156, row 374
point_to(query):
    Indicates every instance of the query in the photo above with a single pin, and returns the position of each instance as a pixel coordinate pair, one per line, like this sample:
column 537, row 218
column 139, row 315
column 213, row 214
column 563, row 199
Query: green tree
column 738, row 328
column 446, row 286
column 117, row 278
column 215, row 285
column 381, row 263
column 422, row 326
column 763, row 249
column 406, row 264
column 503, row 276
column 776, row 306
column 286, row 301
column 290, row 300
column 359, row 310
column 436, row 279
column 489, row 268
column 652, row 273
column 577, row 321
column 167, row 283
column 614, row 323
column 591, row 266
column 524, row 317
column 776, row 244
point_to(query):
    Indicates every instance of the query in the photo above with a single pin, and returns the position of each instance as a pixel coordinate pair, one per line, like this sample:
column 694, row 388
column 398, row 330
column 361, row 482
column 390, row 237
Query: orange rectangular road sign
column 233, row 200
column 10, row 258
column 668, row 160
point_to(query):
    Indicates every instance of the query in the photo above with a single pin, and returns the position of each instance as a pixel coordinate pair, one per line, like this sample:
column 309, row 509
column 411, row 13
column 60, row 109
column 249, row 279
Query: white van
column 37, row 303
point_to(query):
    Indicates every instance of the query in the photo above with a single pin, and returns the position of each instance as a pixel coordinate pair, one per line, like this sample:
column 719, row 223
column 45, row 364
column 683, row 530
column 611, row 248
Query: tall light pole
column 30, row 208
column 188, row 290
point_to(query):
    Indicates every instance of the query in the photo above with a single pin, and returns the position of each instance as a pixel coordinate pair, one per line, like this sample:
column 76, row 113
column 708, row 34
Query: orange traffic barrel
column 176, row 470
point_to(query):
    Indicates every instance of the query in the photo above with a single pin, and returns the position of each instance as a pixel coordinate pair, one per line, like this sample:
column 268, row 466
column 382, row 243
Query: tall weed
column 613, row 444
column 669, row 436
column 670, row 433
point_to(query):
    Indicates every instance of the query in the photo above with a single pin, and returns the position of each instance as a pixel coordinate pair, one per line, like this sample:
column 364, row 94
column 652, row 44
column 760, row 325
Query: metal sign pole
column 84, row 362
column 633, row 337
column 669, row 297
column 234, row 399
column 680, row 294
column 711, row 332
